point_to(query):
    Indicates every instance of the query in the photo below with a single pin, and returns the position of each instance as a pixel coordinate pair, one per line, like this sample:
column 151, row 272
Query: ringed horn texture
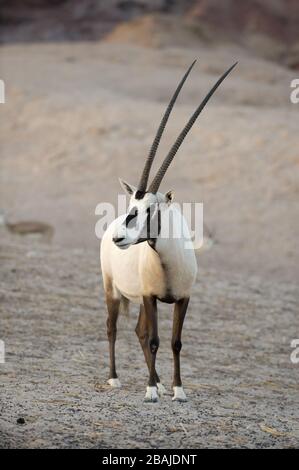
column 147, row 168
column 168, row 159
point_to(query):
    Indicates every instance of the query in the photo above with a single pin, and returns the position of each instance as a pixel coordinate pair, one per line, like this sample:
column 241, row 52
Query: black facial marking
column 152, row 241
column 133, row 213
column 139, row 194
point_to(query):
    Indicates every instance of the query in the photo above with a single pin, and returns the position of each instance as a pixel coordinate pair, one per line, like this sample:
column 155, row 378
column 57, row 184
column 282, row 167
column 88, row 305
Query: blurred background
column 86, row 85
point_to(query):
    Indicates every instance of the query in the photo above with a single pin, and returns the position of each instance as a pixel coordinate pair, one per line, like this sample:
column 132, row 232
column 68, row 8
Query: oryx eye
column 133, row 213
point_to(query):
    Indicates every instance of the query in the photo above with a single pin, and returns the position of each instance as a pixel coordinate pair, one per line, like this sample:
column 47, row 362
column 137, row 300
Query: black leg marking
column 142, row 333
column 113, row 311
column 176, row 344
column 150, row 308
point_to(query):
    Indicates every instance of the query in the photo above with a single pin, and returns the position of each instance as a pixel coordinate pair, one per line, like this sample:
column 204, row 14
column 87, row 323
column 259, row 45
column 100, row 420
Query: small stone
column 21, row 421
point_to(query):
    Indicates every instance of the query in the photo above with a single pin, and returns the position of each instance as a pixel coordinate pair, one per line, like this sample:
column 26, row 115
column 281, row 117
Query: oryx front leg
column 142, row 333
column 151, row 315
column 113, row 310
column 176, row 344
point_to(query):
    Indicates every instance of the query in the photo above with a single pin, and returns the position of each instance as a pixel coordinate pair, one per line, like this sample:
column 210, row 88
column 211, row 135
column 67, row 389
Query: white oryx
column 142, row 266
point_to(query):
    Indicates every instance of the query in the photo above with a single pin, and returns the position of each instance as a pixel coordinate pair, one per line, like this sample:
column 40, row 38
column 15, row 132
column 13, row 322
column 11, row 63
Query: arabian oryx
column 141, row 266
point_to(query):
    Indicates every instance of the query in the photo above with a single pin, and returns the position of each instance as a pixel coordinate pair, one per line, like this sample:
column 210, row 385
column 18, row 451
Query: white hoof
column 151, row 394
column 179, row 394
column 115, row 383
column 161, row 389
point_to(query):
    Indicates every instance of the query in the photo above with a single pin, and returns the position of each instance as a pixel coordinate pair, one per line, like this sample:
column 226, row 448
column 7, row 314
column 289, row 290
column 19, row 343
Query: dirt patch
column 29, row 228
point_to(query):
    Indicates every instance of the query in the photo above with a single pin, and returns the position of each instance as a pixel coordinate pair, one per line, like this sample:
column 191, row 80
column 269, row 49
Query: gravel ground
column 241, row 385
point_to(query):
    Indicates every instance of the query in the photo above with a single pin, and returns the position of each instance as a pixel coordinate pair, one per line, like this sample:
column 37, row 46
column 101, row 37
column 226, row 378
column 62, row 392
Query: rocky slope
column 268, row 28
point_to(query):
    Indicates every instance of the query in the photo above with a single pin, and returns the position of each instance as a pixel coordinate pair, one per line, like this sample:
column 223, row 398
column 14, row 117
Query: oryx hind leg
column 113, row 305
column 142, row 333
column 180, row 310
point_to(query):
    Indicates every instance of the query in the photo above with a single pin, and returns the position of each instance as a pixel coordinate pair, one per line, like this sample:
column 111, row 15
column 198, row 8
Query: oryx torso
column 166, row 271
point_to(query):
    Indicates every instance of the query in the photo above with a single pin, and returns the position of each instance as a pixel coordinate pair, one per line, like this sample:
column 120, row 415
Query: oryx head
column 142, row 221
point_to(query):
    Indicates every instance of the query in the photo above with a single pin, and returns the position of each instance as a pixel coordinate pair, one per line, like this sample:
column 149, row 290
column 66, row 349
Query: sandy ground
column 242, row 388
column 77, row 117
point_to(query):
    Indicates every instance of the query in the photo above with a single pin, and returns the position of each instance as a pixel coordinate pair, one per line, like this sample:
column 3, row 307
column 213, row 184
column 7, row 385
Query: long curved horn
column 168, row 159
column 145, row 174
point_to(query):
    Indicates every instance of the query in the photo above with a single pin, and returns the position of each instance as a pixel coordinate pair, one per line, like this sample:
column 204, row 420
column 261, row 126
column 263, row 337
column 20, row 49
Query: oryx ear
column 128, row 188
column 169, row 196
